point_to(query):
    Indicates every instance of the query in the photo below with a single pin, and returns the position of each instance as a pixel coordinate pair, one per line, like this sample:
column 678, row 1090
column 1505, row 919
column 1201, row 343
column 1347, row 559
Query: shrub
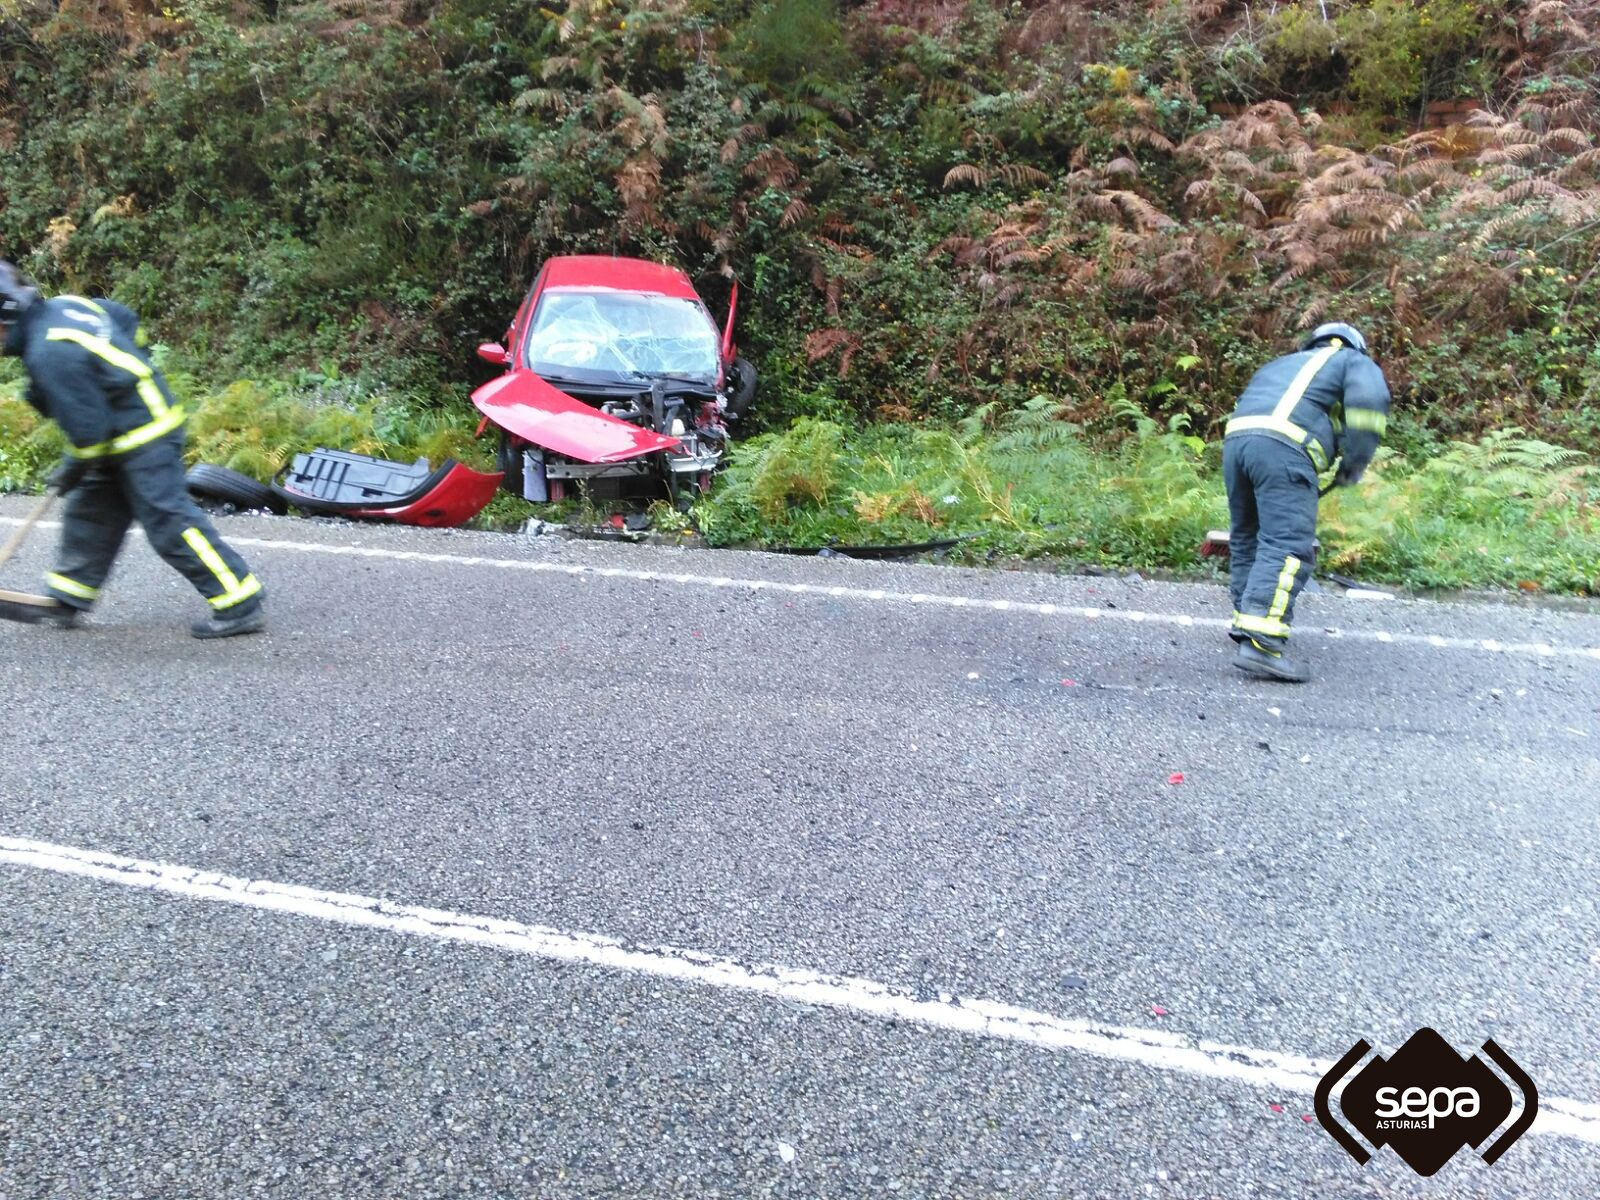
column 1390, row 52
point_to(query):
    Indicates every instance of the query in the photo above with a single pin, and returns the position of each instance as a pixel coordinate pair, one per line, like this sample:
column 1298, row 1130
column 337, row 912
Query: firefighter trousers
column 1272, row 500
column 147, row 485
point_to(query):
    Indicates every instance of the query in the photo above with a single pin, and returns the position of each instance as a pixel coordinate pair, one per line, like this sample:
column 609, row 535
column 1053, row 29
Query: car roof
column 623, row 274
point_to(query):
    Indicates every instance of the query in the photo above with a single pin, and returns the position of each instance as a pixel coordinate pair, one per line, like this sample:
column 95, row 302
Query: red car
column 617, row 379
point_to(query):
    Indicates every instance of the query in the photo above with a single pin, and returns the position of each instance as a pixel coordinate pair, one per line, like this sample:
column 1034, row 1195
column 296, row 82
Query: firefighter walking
column 88, row 372
column 1298, row 416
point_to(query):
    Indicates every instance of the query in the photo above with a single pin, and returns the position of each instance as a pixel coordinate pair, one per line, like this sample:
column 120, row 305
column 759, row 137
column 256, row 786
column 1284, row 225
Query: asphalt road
column 957, row 800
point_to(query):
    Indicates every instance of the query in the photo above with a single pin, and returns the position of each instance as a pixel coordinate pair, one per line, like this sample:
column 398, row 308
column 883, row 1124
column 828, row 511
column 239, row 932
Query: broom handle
column 28, row 523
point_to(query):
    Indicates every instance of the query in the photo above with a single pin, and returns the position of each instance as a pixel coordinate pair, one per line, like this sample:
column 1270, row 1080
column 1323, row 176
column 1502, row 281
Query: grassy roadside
column 1504, row 511
column 257, row 428
column 1501, row 512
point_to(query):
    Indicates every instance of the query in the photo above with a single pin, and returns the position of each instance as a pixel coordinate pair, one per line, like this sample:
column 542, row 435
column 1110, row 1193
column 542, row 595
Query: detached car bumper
column 336, row 482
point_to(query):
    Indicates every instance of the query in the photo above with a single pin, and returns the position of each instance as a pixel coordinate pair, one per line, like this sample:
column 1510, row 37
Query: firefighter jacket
column 89, row 373
column 1332, row 401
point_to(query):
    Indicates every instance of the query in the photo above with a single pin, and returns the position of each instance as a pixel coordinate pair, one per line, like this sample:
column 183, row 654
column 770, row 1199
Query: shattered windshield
column 621, row 333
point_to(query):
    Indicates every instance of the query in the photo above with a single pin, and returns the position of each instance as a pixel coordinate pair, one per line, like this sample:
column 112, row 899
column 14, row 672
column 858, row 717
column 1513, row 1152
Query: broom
column 20, row 606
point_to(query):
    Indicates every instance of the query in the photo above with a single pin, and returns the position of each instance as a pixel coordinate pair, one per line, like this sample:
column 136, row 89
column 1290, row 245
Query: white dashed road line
column 880, row 595
column 1281, row 1074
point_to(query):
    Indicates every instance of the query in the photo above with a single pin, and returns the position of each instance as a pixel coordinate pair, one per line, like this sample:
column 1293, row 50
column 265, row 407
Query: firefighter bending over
column 1298, row 415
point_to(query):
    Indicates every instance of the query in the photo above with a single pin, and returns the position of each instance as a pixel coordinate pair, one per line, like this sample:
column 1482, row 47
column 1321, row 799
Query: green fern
column 801, row 464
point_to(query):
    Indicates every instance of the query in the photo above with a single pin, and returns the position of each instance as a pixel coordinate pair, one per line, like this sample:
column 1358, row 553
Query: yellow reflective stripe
column 152, row 397
column 1272, row 424
column 234, row 589
column 148, row 432
column 134, row 438
column 1268, row 626
column 72, row 587
column 1286, row 578
column 86, row 302
column 207, row 553
column 248, row 587
column 1366, row 420
column 1302, row 381
column 1289, row 429
column 131, row 363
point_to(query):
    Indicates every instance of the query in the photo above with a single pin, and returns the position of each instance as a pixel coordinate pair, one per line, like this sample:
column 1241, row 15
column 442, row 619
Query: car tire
column 508, row 460
column 234, row 487
column 743, row 391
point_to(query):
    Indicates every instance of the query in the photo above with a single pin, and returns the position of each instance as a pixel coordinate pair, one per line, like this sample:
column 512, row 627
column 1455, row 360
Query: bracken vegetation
column 1023, row 220
column 1505, row 511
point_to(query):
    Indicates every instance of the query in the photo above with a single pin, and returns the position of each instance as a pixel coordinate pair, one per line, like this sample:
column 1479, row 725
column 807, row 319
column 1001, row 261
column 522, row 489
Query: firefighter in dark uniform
column 88, row 372
column 1299, row 415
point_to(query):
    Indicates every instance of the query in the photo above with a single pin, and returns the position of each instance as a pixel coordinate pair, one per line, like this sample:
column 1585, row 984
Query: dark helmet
column 1348, row 334
column 17, row 293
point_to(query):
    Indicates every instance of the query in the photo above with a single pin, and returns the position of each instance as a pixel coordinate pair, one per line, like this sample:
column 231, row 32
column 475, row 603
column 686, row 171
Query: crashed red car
column 616, row 376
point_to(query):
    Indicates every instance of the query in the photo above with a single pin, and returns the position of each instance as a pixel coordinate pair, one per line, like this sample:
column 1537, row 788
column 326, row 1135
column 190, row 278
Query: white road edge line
column 1277, row 1073
column 879, row 595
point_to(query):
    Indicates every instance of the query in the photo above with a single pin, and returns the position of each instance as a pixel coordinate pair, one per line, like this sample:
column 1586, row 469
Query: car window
column 622, row 333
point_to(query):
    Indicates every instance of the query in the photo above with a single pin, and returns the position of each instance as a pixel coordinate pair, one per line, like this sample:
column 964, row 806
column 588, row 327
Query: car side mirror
column 494, row 352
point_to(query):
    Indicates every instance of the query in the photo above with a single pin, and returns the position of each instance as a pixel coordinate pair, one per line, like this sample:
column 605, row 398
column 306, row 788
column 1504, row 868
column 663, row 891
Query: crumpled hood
column 525, row 404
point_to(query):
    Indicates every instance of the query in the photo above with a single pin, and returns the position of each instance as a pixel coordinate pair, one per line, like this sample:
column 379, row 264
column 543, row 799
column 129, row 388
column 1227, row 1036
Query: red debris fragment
column 696, row 633
column 1306, row 1117
column 1158, row 1010
column 1175, row 778
column 1275, row 1107
column 1069, row 683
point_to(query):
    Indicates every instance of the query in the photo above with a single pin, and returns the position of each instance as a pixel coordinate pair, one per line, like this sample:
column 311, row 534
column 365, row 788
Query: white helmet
column 1348, row 334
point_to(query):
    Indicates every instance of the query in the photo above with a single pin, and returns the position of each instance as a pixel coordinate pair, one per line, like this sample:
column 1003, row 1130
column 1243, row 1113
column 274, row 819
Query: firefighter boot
column 64, row 616
column 1265, row 663
column 219, row 625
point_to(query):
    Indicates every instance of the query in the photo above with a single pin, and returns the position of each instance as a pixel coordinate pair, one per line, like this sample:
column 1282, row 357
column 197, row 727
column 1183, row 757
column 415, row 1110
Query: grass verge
column 1504, row 511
